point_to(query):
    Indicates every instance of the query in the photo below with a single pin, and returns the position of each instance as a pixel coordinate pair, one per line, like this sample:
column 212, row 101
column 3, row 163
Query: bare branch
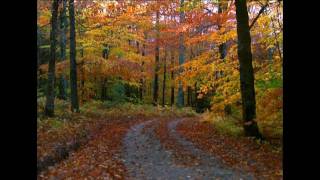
column 260, row 12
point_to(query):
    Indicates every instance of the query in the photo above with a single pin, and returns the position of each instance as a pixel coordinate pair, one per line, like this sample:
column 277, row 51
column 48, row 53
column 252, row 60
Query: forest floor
column 146, row 158
column 167, row 148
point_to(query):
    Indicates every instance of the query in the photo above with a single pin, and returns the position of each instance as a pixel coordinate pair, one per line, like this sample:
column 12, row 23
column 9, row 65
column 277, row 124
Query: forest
column 159, row 89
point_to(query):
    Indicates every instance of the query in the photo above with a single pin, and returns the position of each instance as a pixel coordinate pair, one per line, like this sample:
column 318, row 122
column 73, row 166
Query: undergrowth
column 232, row 126
column 224, row 124
column 66, row 131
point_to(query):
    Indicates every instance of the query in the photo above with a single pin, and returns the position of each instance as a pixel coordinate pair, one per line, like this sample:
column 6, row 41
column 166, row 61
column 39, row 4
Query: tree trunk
column 63, row 43
column 73, row 65
column 172, row 78
column 38, row 56
column 164, row 78
column 49, row 108
column 180, row 102
column 141, row 79
column 246, row 70
column 82, row 80
column 189, row 96
column 106, row 51
column 103, row 96
column 195, row 95
column 189, row 89
column 157, row 52
column 82, row 97
column 142, row 85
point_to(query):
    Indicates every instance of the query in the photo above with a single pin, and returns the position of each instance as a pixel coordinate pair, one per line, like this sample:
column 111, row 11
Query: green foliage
column 203, row 104
column 40, row 93
column 41, row 105
column 187, row 111
column 134, row 100
column 266, row 84
column 55, row 123
column 62, row 109
column 224, row 124
column 229, row 127
column 117, row 92
column 45, row 47
column 236, row 111
column 110, row 108
column 118, row 52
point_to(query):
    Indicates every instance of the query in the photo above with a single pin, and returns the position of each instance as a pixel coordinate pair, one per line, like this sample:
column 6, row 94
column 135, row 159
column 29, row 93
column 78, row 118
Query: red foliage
column 181, row 155
column 239, row 153
column 100, row 157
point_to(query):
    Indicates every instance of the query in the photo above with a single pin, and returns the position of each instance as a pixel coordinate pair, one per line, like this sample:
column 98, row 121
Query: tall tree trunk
column 73, row 65
column 246, row 70
column 82, row 97
column 172, row 77
column 103, row 80
column 164, row 77
column 194, row 104
column 63, row 43
column 189, row 92
column 141, row 80
column 151, row 88
column 142, row 86
column 189, row 89
column 38, row 56
column 49, row 108
column 82, row 79
column 103, row 96
column 157, row 52
column 180, row 102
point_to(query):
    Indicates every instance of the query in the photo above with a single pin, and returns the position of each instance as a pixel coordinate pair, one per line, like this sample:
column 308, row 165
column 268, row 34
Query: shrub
column 269, row 113
column 224, row 124
column 117, row 92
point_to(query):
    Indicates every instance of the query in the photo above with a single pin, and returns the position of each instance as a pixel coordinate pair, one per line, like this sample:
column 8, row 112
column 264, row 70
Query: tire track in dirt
column 146, row 158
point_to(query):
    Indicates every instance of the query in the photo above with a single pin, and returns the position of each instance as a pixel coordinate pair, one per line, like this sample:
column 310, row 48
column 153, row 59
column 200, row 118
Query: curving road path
column 146, row 158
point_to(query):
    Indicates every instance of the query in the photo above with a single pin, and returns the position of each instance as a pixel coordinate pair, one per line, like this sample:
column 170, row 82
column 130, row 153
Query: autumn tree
column 73, row 65
column 246, row 70
column 63, row 43
column 49, row 107
column 222, row 52
column 157, row 56
column 164, row 76
column 38, row 55
column 172, row 78
column 123, row 44
column 222, row 46
column 142, row 80
column 180, row 101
